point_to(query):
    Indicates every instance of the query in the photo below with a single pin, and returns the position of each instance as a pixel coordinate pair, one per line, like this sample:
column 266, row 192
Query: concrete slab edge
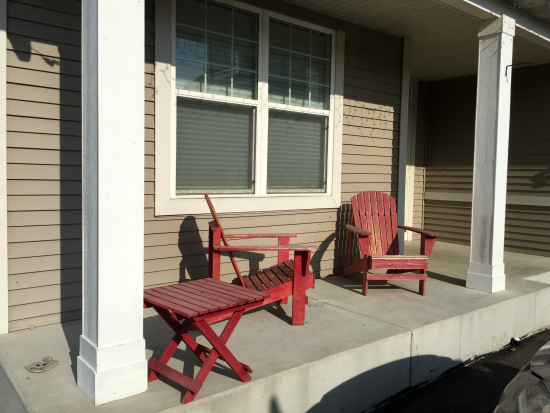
column 321, row 385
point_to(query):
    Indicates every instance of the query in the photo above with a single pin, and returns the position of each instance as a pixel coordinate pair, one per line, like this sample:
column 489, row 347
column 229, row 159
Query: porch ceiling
column 444, row 39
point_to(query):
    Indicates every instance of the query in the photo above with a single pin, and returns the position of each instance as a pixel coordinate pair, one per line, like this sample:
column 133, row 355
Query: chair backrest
column 375, row 212
column 224, row 239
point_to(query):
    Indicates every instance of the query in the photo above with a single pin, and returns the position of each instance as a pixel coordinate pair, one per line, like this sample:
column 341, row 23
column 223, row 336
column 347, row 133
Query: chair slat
column 177, row 296
column 389, row 229
column 362, row 223
column 236, row 290
column 377, row 250
column 273, row 278
column 257, row 283
column 265, row 280
column 383, row 226
column 393, row 217
column 281, row 275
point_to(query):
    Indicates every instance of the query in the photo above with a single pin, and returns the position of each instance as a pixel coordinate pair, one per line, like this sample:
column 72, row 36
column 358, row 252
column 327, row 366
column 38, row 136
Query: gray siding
column 44, row 162
column 451, row 122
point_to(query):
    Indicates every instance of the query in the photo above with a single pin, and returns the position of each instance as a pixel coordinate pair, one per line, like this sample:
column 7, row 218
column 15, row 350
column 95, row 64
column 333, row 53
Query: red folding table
column 190, row 305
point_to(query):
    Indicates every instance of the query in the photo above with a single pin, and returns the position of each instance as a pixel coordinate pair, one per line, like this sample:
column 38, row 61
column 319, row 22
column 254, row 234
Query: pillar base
column 487, row 278
column 111, row 373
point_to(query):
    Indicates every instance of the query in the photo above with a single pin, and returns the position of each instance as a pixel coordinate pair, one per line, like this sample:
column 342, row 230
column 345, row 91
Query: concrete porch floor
column 353, row 353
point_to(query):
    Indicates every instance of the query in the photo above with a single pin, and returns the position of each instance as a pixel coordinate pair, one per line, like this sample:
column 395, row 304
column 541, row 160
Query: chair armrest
column 419, row 231
column 267, row 248
column 358, row 231
column 246, row 236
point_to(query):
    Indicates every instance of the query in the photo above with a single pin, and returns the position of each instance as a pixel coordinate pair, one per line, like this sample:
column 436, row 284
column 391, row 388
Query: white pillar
column 112, row 364
column 403, row 138
column 3, row 177
column 486, row 269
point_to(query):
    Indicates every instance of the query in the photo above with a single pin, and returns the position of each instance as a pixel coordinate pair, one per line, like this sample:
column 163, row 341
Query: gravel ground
column 472, row 389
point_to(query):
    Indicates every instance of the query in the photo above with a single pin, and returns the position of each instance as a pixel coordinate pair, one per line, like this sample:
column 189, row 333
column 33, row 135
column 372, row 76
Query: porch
column 352, row 354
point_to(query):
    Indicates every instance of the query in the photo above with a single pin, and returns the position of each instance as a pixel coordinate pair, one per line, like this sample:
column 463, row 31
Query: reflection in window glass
column 216, row 49
column 299, row 65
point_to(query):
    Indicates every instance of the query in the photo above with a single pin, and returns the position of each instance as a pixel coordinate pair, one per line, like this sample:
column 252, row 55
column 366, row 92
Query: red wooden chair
column 286, row 278
column 374, row 221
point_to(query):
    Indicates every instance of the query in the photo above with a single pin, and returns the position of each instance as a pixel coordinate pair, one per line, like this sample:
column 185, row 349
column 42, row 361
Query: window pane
column 320, row 71
column 320, row 98
column 219, row 47
column 299, row 93
column 279, row 63
column 296, row 152
column 245, row 55
column 190, row 44
column 190, row 75
column 245, row 25
column 300, row 67
column 279, row 34
column 219, row 18
column 214, row 147
column 191, row 12
column 244, row 85
column 320, row 44
column 301, row 40
column 279, row 91
column 307, row 52
column 218, row 80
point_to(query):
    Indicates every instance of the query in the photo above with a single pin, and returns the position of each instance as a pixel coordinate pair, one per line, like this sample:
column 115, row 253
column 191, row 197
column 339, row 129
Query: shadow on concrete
column 365, row 390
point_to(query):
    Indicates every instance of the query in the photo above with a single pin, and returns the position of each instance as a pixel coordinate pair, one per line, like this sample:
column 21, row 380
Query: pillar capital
column 502, row 24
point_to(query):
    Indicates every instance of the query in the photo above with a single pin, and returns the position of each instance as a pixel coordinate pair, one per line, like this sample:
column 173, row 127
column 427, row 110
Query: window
column 248, row 107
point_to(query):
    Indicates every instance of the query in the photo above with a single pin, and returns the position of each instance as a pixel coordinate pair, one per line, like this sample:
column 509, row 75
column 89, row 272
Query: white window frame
column 166, row 200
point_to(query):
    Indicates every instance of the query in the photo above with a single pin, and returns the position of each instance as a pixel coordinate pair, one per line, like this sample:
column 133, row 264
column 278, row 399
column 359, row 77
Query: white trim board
column 3, row 176
column 510, row 199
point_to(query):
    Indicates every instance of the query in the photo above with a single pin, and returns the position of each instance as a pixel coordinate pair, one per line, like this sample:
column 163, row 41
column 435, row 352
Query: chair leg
column 365, row 283
column 284, row 301
column 422, row 287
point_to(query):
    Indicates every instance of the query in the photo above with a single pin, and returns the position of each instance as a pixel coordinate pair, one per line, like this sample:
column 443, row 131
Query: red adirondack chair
column 374, row 221
column 286, row 278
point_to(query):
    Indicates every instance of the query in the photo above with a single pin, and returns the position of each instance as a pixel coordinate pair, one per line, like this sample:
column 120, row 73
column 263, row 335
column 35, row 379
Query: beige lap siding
column 450, row 151
column 44, row 162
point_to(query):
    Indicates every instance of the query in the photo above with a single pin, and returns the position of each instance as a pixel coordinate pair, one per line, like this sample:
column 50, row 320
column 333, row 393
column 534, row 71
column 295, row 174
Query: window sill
column 197, row 205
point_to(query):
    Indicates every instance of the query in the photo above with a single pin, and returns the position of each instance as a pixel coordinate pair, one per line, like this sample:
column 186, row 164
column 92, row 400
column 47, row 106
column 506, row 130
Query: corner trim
column 3, row 175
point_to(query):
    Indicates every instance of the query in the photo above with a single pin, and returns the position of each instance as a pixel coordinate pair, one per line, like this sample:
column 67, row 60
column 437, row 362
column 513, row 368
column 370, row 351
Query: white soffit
column 444, row 38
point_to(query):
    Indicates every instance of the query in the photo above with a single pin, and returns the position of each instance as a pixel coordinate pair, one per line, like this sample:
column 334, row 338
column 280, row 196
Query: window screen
column 296, row 152
column 214, row 147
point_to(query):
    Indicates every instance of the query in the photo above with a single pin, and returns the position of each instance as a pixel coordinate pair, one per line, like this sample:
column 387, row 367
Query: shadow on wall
column 67, row 67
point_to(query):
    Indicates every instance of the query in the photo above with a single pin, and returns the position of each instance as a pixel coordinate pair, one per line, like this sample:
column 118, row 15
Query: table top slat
column 207, row 292
column 169, row 306
column 208, row 302
column 203, row 296
column 191, row 301
column 177, row 301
